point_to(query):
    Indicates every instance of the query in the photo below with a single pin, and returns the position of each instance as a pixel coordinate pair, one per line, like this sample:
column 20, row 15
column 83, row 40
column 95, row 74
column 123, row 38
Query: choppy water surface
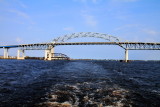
column 79, row 83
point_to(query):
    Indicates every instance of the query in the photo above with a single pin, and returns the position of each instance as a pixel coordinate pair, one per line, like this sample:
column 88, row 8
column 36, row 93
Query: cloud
column 84, row 1
column 129, row 0
column 95, row 1
column 89, row 19
column 128, row 26
column 138, row 32
column 124, row 0
column 15, row 11
column 19, row 13
column 18, row 40
column 138, row 27
column 21, row 4
column 81, row 0
column 151, row 32
column 71, row 29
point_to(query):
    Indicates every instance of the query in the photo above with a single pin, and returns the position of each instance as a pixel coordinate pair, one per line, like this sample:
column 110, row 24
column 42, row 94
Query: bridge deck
column 9, row 46
column 125, row 45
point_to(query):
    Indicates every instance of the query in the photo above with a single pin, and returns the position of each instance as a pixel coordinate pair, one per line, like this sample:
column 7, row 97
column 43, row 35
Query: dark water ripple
column 79, row 83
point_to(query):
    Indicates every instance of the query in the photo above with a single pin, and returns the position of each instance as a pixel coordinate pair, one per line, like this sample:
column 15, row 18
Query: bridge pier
column 6, row 54
column 46, row 54
column 126, row 55
column 20, row 54
column 49, row 54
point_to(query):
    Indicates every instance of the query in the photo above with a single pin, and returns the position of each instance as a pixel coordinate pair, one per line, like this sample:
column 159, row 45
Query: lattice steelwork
column 42, row 46
column 140, row 46
column 124, row 45
column 85, row 34
column 111, row 41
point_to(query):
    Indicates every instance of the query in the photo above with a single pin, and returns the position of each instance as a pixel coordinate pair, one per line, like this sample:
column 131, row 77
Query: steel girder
column 42, row 46
column 140, row 46
column 124, row 45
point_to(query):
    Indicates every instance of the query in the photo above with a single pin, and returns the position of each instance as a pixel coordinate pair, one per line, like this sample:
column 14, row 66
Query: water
column 26, row 83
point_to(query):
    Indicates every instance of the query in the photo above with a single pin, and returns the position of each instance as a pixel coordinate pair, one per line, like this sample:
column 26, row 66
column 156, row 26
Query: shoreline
column 42, row 58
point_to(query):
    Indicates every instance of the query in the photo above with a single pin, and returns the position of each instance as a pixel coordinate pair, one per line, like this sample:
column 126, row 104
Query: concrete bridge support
column 6, row 54
column 21, row 54
column 49, row 54
column 126, row 55
column 46, row 54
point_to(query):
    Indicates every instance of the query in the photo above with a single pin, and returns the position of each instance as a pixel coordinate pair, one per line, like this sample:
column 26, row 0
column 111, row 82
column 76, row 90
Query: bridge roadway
column 124, row 45
column 49, row 47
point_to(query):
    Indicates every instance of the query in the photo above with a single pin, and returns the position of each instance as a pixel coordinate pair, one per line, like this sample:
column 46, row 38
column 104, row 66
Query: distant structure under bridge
column 51, row 55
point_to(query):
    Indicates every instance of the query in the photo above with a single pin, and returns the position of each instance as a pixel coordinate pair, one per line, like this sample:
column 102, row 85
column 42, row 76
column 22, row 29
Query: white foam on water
column 75, row 92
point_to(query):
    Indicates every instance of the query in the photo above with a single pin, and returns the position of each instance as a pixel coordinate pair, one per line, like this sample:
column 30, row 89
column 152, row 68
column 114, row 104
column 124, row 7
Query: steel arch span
column 86, row 34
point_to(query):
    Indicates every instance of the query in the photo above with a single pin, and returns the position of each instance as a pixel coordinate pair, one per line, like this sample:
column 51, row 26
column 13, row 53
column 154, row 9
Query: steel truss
column 111, row 41
column 86, row 34
column 42, row 46
column 124, row 45
column 140, row 46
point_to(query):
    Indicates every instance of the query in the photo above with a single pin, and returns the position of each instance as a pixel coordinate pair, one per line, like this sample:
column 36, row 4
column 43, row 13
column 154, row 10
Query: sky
column 39, row 21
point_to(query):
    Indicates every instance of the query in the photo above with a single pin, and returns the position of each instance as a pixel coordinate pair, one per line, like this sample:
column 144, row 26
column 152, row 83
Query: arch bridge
column 110, row 40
